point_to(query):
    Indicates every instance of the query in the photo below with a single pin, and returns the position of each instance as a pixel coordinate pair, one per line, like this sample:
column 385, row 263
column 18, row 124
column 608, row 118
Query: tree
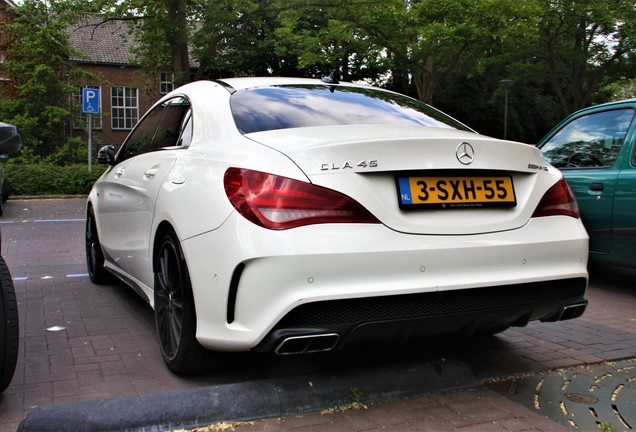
column 623, row 89
column 561, row 54
column 212, row 38
column 585, row 44
column 38, row 70
column 194, row 39
column 318, row 39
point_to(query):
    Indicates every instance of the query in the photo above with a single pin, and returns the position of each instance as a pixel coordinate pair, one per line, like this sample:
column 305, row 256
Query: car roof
column 251, row 82
column 607, row 105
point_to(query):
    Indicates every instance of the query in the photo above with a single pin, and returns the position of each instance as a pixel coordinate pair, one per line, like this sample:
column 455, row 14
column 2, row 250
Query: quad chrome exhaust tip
column 572, row 311
column 307, row 344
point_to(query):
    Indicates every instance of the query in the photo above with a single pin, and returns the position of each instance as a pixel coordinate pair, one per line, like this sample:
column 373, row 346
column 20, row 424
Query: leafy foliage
column 560, row 54
column 38, row 70
column 585, row 44
column 46, row 178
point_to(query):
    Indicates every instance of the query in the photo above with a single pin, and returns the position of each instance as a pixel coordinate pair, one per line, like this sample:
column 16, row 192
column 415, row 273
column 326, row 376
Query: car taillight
column 558, row 200
column 278, row 203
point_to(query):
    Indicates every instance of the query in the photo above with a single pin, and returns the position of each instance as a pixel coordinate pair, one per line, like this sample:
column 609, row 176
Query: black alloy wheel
column 9, row 327
column 94, row 255
column 175, row 315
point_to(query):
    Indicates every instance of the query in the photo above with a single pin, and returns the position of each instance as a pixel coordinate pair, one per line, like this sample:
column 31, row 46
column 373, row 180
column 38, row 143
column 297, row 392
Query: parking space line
column 9, row 222
column 70, row 276
column 58, row 220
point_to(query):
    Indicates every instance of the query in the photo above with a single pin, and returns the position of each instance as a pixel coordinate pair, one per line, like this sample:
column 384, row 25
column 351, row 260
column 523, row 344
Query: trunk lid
column 364, row 162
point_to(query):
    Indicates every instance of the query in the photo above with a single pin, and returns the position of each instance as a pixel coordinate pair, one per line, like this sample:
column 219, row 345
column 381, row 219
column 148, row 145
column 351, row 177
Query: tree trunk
column 178, row 39
column 425, row 81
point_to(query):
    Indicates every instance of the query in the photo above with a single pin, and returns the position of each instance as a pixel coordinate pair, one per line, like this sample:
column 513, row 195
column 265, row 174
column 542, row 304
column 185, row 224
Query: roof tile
column 103, row 41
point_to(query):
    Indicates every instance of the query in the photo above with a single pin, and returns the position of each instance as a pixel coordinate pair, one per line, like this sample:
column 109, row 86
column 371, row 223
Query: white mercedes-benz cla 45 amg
column 296, row 215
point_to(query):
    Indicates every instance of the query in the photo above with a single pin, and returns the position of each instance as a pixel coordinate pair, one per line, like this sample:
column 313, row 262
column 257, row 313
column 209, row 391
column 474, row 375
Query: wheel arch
column 161, row 230
column 90, row 206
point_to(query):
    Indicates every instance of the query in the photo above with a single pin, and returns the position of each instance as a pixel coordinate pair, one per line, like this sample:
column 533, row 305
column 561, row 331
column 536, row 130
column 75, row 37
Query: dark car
column 10, row 142
column 594, row 148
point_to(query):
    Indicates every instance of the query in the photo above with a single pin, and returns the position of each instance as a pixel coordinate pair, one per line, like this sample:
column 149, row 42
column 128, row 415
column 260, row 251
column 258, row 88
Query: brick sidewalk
column 473, row 410
column 107, row 346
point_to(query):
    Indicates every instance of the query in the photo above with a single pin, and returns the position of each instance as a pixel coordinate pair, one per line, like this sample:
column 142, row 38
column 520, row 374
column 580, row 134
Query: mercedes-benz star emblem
column 465, row 153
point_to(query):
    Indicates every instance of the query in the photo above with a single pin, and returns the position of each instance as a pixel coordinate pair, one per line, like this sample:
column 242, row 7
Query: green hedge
column 50, row 179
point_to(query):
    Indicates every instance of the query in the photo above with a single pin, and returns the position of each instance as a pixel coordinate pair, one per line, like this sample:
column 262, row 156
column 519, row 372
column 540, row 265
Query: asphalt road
column 81, row 342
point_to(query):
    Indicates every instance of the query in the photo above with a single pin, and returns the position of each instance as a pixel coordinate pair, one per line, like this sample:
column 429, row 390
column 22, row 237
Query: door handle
column 151, row 172
column 597, row 187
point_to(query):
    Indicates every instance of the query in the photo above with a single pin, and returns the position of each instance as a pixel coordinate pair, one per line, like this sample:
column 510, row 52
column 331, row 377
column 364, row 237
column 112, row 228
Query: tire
column 175, row 314
column 4, row 194
column 94, row 255
column 6, row 191
column 9, row 327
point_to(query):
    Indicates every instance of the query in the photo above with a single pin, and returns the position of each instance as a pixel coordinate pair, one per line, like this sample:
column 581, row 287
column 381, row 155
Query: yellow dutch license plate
column 456, row 191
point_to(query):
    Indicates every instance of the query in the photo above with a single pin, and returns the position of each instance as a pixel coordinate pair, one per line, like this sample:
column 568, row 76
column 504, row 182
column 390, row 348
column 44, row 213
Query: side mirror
column 106, row 155
column 10, row 141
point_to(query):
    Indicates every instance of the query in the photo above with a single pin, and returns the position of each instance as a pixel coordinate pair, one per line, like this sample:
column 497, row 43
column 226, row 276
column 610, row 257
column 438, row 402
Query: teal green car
column 595, row 150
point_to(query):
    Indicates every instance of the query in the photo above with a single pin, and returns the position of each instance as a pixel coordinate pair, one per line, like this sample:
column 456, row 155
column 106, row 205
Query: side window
column 140, row 139
column 594, row 140
column 170, row 125
column 158, row 129
column 186, row 130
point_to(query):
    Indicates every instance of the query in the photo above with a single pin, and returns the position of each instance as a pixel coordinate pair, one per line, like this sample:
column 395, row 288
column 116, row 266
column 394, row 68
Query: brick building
column 107, row 51
column 6, row 15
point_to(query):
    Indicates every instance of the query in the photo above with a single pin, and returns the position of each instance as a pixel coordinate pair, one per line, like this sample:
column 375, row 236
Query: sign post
column 90, row 106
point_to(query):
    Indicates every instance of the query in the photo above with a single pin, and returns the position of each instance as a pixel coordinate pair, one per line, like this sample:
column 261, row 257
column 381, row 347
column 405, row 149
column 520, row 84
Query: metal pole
column 507, row 84
column 90, row 143
column 506, row 114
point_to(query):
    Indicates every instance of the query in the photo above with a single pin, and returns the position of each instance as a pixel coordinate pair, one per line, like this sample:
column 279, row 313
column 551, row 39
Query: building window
column 80, row 119
column 124, row 107
column 166, row 82
column 3, row 59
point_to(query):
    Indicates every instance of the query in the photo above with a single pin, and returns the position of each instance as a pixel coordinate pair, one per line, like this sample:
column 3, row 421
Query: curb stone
column 280, row 397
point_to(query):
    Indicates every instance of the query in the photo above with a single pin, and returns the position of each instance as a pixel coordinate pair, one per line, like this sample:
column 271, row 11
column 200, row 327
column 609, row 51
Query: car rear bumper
column 321, row 326
column 248, row 282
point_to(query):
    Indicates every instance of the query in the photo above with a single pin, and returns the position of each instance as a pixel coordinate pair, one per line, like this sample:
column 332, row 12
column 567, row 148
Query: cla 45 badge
column 345, row 165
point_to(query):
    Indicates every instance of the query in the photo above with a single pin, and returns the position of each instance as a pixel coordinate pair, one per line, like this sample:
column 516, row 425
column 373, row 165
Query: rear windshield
column 283, row 107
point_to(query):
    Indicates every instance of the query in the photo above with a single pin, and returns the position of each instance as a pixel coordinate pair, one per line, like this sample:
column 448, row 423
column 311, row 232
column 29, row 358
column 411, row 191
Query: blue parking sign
column 90, row 100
